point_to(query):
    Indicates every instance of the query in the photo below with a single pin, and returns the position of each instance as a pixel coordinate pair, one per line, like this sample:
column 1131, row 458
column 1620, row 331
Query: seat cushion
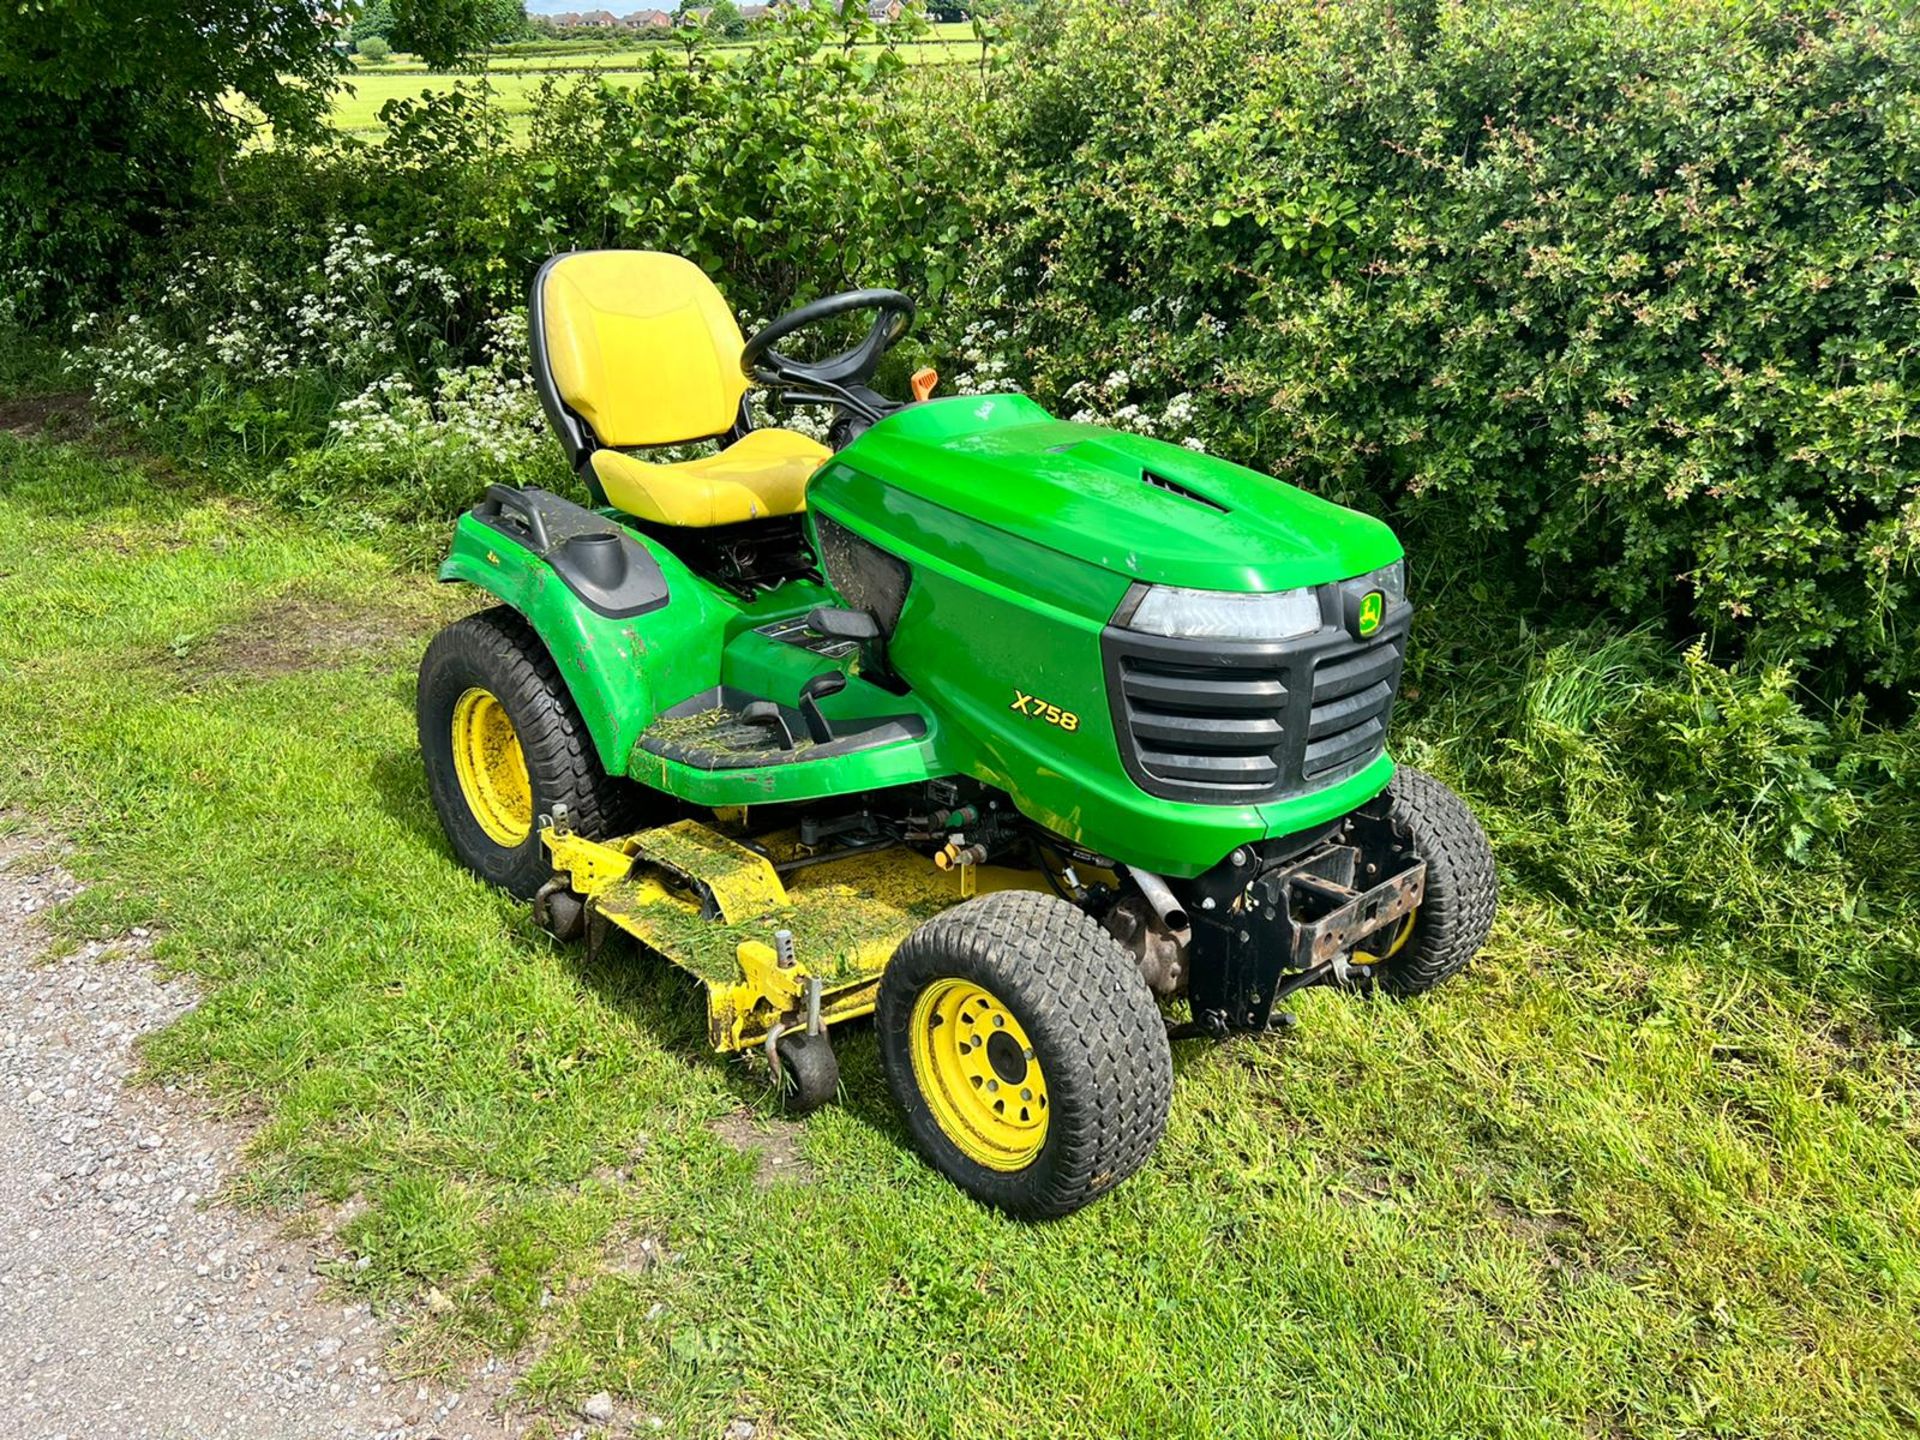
column 763, row 473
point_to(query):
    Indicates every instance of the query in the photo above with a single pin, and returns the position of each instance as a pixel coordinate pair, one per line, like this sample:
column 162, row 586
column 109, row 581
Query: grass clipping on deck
column 833, row 918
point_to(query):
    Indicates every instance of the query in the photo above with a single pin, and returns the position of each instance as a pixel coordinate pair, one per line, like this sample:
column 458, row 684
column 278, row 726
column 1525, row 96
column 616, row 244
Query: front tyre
column 1025, row 1051
column 1463, row 889
column 503, row 745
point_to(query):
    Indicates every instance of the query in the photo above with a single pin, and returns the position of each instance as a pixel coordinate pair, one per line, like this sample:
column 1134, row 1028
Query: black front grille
column 1352, row 695
column 1237, row 722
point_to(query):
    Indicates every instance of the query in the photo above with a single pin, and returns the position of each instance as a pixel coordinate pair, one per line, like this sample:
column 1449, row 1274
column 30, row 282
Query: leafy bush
column 1659, row 793
column 247, row 356
column 337, row 268
column 395, row 455
column 1616, row 296
column 375, row 49
column 787, row 171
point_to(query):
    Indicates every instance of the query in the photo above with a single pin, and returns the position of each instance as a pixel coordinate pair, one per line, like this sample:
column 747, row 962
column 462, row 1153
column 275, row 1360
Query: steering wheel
column 837, row 373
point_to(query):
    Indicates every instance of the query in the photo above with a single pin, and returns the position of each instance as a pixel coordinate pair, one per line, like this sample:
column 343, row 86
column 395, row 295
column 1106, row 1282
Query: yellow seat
column 634, row 348
column 763, row 473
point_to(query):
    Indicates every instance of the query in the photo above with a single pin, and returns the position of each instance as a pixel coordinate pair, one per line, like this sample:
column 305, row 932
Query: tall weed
column 1657, row 792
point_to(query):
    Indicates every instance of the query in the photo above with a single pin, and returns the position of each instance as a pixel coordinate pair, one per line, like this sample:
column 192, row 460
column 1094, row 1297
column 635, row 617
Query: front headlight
column 1224, row 615
column 1391, row 580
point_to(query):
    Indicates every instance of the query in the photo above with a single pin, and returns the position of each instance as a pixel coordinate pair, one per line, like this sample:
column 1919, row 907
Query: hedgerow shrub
column 349, row 295
column 237, row 354
column 402, row 452
column 1653, row 792
column 793, row 167
column 1627, row 289
column 1617, row 292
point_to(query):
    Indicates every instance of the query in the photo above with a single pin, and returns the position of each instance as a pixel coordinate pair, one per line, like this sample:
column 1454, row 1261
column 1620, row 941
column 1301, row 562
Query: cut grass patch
column 511, row 85
column 1607, row 1183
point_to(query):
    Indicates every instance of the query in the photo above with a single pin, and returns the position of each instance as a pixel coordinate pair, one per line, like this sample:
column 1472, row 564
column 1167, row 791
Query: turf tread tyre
column 1463, row 887
column 1095, row 1030
column 498, row 650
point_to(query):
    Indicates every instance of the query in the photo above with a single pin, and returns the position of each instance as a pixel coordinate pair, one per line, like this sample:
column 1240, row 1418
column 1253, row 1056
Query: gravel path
column 131, row 1303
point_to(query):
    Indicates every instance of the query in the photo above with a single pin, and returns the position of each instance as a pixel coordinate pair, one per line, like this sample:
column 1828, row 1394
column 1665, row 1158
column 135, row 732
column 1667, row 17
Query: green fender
column 620, row 673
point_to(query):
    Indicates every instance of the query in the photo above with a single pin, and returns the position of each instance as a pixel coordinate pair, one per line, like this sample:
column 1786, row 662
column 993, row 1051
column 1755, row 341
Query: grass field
column 1597, row 1187
column 512, row 80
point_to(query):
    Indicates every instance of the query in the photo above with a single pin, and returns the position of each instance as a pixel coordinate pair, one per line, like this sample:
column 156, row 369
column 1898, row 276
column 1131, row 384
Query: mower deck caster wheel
column 560, row 911
column 808, row 1075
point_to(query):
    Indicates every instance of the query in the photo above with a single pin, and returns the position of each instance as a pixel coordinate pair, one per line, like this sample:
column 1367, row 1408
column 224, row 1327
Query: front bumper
column 1265, row 927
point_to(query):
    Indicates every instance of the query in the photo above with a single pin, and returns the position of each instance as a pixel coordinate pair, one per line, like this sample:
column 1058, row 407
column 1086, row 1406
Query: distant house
column 602, row 19
column 755, row 12
column 648, row 20
column 884, row 12
column 568, row 20
column 696, row 16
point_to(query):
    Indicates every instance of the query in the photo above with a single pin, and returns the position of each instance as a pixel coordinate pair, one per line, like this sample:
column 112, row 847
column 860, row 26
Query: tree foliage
column 456, row 32
column 119, row 113
column 375, row 18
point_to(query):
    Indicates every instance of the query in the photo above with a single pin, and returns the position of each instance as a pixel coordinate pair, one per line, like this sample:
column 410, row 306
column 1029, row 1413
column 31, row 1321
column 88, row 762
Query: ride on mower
column 1043, row 743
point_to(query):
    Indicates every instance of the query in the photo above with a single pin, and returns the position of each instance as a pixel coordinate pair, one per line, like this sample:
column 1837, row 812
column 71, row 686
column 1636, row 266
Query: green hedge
column 1618, row 298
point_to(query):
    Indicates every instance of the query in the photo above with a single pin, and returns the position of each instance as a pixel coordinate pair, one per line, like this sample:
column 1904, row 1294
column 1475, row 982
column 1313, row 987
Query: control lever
column 831, row 683
column 765, row 712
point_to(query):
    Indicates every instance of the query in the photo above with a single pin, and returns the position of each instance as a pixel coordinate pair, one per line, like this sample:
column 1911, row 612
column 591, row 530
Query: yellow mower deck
column 713, row 905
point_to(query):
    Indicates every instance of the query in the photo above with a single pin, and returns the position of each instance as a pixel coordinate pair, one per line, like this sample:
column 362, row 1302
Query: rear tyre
column 1025, row 1051
column 1463, row 889
column 503, row 745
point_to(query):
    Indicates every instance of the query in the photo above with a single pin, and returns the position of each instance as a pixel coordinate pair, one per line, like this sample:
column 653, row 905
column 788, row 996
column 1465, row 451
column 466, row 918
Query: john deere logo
column 1373, row 609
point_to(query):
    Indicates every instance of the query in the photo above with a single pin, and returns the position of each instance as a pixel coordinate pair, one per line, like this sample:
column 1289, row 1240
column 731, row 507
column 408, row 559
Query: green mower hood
column 1143, row 509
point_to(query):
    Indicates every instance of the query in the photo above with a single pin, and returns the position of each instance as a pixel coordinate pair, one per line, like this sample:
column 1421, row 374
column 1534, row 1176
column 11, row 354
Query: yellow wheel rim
column 976, row 1067
column 1394, row 947
column 491, row 769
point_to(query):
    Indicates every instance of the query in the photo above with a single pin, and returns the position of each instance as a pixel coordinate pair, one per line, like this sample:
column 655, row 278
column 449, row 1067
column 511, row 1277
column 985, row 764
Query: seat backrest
column 639, row 344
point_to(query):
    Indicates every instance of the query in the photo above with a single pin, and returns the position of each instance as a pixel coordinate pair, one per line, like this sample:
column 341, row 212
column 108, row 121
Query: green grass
column 1612, row 1182
column 512, row 81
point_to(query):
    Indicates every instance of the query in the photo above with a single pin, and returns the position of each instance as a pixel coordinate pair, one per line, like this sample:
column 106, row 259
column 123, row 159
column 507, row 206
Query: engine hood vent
column 1174, row 487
